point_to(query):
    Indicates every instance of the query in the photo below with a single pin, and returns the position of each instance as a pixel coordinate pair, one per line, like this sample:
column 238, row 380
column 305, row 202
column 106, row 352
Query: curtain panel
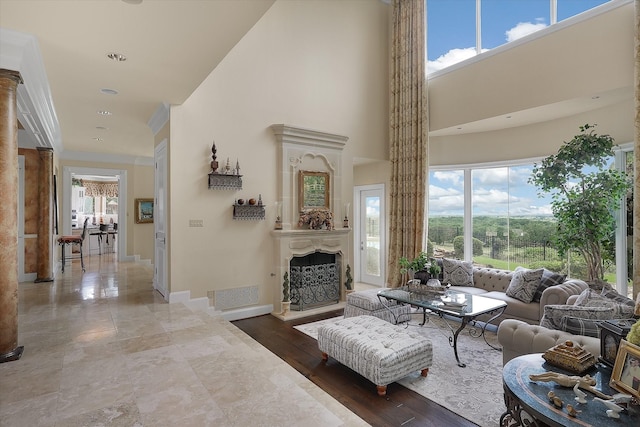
column 100, row 188
column 408, row 133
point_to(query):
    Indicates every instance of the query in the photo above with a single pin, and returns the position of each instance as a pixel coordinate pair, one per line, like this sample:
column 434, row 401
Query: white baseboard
column 197, row 303
column 246, row 312
column 180, row 296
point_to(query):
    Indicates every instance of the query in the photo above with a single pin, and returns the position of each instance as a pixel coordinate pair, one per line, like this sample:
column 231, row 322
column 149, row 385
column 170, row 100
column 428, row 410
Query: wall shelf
column 218, row 181
column 248, row 212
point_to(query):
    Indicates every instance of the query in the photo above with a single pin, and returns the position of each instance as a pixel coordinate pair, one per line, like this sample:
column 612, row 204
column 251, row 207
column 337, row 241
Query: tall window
column 510, row 225
column 452, row 25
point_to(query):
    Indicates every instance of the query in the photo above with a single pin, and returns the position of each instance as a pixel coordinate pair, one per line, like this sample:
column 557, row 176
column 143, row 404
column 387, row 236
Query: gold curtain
column 636, row 158
column 408, row 130
column 100, row 188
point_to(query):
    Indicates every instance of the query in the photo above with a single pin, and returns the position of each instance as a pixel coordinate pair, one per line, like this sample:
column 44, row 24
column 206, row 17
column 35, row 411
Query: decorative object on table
column 143, row 211
column 586, row 382
column 572, row 411
column 613, row 410
column 557, row 402
column 580, row 395
column 633, row 336
column 316, row 219
column 570, row 357
column 214, row 162
column 412, row 266
column 286, row 299
column 259, row 199
column 240, row 202
column 252, row 201
column 434, row 271
column 348, row 283
column 611, row 333
column 626, row 371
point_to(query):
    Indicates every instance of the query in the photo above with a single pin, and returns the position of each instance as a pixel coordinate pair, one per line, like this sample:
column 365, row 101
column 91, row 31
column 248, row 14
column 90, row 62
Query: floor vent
column 225, row 299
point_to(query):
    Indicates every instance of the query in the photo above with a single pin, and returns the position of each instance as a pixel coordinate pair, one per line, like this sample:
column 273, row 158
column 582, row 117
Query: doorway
column 369, row 235
column 118, row 210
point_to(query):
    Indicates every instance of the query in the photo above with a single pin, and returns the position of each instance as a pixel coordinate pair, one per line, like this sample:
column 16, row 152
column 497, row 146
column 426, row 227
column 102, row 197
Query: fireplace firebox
column 315, row 280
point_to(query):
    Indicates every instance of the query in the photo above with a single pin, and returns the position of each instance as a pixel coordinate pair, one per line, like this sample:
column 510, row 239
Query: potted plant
column 412, row 266
column 286, row 301
column 585, row 195
column 434, row 272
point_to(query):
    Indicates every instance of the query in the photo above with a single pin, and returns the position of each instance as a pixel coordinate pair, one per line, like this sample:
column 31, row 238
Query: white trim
column 246, row 312
column 179, row 296
column 107, row 158
column 21, row 52
column 159, row 118
column 621, row 233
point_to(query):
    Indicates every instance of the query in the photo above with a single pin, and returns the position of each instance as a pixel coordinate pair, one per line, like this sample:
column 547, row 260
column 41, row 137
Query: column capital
column 11, row 74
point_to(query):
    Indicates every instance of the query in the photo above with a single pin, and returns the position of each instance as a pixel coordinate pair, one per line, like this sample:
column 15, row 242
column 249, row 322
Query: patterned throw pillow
column 524, row 283
column 622, row 306
column 553, row 314
column 456, row 272
column 549, row 278
column 577, row 326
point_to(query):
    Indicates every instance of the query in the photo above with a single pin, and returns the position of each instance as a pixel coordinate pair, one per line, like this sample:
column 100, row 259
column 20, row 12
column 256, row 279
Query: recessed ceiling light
column 595, row 97
column 109, row 91
column 132, row 1
column 508, row 117
column 101, row 128
column 459, row 128
column 98, row 139
column 104, row 112
column 116, row 56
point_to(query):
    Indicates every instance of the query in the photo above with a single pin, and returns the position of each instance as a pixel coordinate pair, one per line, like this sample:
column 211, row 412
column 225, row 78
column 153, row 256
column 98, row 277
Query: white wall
column 315, row 64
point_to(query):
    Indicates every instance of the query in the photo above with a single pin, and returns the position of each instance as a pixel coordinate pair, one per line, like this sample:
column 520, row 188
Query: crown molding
column 159, row 118
column 20, row 52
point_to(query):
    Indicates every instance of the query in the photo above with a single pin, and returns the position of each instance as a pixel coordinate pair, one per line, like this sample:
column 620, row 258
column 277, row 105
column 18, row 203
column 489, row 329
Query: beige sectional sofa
column 493, row 283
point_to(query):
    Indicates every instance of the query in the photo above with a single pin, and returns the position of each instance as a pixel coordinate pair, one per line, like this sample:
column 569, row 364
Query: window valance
column 100, row 188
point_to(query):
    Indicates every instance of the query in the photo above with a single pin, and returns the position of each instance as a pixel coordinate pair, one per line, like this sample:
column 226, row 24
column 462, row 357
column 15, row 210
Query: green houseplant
column 414, row 265
column 585, row 195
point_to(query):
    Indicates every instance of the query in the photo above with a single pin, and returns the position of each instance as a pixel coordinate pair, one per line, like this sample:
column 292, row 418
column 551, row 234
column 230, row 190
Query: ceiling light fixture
column 98, row 139
column 101, row 128
column 118, row 57
column 107, row 91
column 104, row 112
column 595, row 97
column 508, row 117
column 132, row 1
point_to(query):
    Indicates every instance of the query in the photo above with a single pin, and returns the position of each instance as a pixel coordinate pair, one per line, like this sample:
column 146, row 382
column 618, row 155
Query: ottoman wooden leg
column 325, row 356
column 424, row 372
column 382, row 390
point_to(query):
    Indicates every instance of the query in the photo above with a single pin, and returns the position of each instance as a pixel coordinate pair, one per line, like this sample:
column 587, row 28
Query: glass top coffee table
column 464, row 306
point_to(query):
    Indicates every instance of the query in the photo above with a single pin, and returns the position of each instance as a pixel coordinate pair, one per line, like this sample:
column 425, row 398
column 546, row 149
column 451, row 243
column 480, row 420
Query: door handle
column 362, row 246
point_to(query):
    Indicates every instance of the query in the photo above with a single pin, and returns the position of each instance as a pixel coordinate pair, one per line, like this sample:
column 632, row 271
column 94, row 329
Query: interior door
column 371, row 234
column 159, row 220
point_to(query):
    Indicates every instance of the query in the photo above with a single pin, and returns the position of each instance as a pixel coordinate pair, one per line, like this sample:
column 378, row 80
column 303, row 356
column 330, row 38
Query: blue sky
column 451, row 37
column 451, row 24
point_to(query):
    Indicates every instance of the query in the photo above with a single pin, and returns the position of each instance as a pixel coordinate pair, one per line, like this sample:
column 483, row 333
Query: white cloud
column 524, row 29
column 456, row 178
column 452, row 57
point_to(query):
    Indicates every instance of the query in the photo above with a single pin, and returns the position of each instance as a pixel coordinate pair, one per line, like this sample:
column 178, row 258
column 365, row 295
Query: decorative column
column 45, row 233
column 9, row 349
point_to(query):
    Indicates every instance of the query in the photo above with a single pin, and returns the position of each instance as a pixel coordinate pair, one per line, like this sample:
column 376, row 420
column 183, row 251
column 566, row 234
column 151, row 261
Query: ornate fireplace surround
column 307, row 150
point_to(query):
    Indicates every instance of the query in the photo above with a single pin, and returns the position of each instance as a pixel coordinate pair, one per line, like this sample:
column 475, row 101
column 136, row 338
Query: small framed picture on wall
column 144, row 211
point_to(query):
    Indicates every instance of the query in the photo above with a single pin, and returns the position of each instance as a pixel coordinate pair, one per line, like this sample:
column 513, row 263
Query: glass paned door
column 371, row 243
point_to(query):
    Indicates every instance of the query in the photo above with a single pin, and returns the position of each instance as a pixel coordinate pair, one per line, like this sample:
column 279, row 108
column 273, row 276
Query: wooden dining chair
column 73, row 240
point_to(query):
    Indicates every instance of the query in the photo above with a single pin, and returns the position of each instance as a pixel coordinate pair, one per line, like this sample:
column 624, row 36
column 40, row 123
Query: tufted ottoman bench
column 366, row 303
column 379, row 351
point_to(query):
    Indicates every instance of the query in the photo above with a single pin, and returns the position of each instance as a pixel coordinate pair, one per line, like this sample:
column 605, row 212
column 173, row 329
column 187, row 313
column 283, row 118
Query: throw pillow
column 622, row 306
column 456, row 272
column 553, row 314
column 524, row 283
column 549, row 278
column 577, row 326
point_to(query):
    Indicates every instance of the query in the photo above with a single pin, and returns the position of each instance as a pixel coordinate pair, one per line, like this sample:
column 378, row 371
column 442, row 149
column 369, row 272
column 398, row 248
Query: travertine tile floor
column 103, row 349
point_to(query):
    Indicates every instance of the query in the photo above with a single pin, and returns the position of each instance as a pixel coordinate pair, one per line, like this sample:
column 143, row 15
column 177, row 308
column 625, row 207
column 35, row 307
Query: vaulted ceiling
column 170, row 47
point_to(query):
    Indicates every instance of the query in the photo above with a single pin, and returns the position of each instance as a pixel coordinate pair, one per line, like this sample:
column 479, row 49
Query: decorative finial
column 237, row 167
column 214, row 163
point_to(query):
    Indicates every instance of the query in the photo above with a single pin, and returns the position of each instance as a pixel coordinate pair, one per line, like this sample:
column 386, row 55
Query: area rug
column 474, row 392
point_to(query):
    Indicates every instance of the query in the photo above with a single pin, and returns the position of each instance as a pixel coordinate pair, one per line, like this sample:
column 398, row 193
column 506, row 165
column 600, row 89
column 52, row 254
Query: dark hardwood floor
column 400, row 407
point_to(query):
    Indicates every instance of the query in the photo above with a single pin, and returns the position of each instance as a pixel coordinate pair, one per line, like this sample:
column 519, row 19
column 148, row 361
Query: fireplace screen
column 315, row 281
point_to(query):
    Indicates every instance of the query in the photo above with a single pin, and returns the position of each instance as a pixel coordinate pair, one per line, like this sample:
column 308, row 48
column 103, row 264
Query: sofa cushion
column 456, row 272
column 524, row 283
column 516, row 308
column 577, row 326
column 622, row 306
column 549, row 278
column 553, row 314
